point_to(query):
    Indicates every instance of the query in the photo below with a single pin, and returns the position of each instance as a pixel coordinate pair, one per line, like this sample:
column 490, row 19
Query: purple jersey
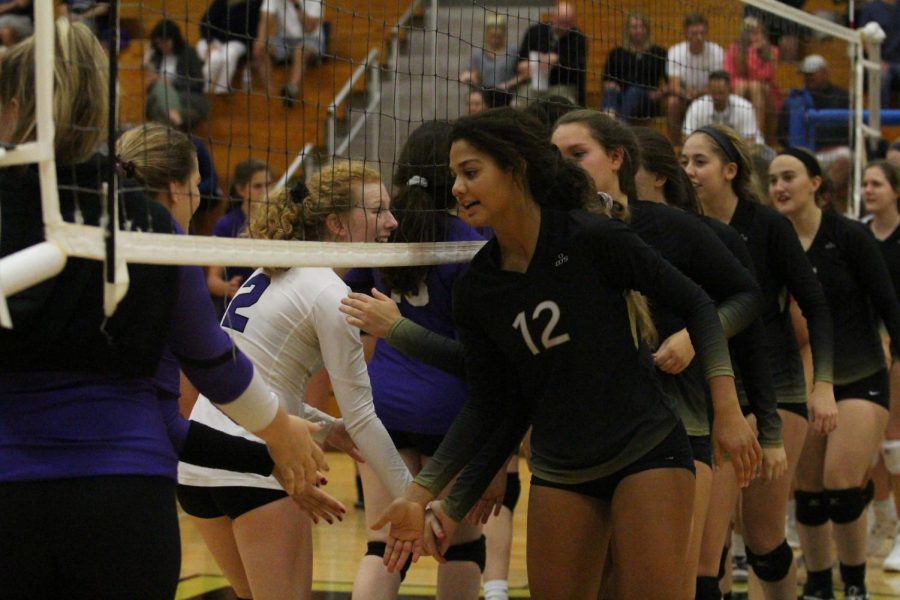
column 230, row 225
column 409, row 395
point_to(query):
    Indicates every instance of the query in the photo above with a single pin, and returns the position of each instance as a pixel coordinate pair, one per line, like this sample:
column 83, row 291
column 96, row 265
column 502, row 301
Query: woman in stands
column 288, row 320
column 717, row 162
column 87, row 468
column 174, row 79
column 833, row 469
column 249, row 189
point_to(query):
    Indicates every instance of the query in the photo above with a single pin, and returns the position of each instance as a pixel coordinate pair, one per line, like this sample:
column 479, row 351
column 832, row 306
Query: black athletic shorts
column 701, row 448
column 230, row 501
column 874, row 388
column 798, row 408
column 673, row 452
column 425, row 444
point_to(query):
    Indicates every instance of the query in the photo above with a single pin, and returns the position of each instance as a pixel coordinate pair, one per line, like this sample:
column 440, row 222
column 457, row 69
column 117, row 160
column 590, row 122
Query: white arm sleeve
column 255, row 408
column 314, row 415
column 342, row 353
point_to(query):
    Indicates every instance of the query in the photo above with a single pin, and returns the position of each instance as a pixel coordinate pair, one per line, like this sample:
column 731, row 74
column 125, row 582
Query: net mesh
column 353, row 78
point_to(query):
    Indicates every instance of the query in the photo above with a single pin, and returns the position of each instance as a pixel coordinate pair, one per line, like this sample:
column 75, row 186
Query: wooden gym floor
column 338, row 548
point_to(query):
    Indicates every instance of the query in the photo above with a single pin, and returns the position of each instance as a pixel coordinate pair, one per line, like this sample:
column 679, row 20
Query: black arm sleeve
column 873, row 276
column 629, row 263
column 208, row 447
column 426, row 346
column 788, row 259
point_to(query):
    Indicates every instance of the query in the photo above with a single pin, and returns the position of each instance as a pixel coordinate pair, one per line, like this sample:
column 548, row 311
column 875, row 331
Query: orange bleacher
column 253, row 124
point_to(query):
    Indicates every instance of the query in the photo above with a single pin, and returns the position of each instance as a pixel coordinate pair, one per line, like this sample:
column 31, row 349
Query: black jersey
column 695, row 251
column 890, row 250
column 555, row 348
column 782, row 268
column 848, row 262
column 753, row 376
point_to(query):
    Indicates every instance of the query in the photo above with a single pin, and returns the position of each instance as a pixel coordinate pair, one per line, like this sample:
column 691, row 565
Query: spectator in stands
column 16, row 21
column 227, row 30
column 893, row 153
column 475, row 102
column 249, row 189
column 635, row 73
column 752, row 63
column 688, row 68
column 492, row 67
column 290, row 31
column 830, row 141
column 174, row 76
column 887, row 14
column 721, row 106
column 561, row 48
column 784, row 33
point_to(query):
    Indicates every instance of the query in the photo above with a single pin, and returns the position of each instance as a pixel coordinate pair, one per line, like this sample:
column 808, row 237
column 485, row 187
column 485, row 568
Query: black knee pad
column 812, row 508
column 845, row 506
column 707, row 589
column 869, row 491
column 378, row 548
column 773, row 566
column 723, row 558
column 474, row 551
column 513, row 489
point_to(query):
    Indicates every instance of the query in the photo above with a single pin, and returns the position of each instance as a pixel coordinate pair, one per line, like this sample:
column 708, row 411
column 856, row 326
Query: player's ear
column 335, row 225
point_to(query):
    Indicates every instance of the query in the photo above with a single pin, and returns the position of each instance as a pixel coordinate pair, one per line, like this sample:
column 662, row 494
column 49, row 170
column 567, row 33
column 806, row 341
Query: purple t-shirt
column 410, row 396
column 230, row 225
column 59, row 425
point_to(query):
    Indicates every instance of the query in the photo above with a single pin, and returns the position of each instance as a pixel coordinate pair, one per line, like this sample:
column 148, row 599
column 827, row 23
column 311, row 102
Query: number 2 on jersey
column 547, row 341
column 247, row 296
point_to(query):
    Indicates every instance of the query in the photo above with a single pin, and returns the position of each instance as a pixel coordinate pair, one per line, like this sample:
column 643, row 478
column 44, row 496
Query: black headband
column 809, row 161
column 724, row 143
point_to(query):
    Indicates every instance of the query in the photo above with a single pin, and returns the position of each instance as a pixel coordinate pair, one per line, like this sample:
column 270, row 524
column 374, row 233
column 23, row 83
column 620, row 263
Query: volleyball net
column 295, row 84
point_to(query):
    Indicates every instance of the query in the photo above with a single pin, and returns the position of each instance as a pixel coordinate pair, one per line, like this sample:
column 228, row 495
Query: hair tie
column 417, row 180
column 127, row 168
column 725, row 143
column 298, row 192
column 606, row 200
column 809, row 161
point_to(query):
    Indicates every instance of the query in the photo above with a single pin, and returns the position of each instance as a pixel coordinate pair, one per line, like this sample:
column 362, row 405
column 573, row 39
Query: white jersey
column 288, row 324
column 739, row 114
column 287, row 16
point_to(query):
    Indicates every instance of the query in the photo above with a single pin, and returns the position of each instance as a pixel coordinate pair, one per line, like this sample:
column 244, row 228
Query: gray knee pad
column 845, row 506
column 890, row 450
column 378, row 548
column 474, row 551
column 812, row 508
column 773, row 566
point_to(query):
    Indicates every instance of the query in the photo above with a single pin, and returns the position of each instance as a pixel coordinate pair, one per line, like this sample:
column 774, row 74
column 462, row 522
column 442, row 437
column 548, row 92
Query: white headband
column 417, row 180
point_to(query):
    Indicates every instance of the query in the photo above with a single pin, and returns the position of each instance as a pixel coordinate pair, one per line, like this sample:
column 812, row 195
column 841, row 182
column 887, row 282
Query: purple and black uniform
column 84, row 444
column 405, row 389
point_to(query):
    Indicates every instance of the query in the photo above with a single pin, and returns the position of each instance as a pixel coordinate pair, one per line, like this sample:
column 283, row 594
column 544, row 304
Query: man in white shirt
column 289, row 31
column 688, row 67
column 721, row 106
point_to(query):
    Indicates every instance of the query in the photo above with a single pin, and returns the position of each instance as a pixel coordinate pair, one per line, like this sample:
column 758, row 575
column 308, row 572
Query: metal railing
column 373, row 90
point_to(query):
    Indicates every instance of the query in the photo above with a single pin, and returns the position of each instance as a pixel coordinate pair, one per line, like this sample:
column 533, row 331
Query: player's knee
column 773, row 566
column 845, row 506
column 812, row 508
column 473, row 551
column 378, row 548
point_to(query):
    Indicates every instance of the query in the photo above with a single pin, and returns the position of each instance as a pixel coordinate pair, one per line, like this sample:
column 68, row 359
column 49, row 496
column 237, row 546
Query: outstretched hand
column 407, row 521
